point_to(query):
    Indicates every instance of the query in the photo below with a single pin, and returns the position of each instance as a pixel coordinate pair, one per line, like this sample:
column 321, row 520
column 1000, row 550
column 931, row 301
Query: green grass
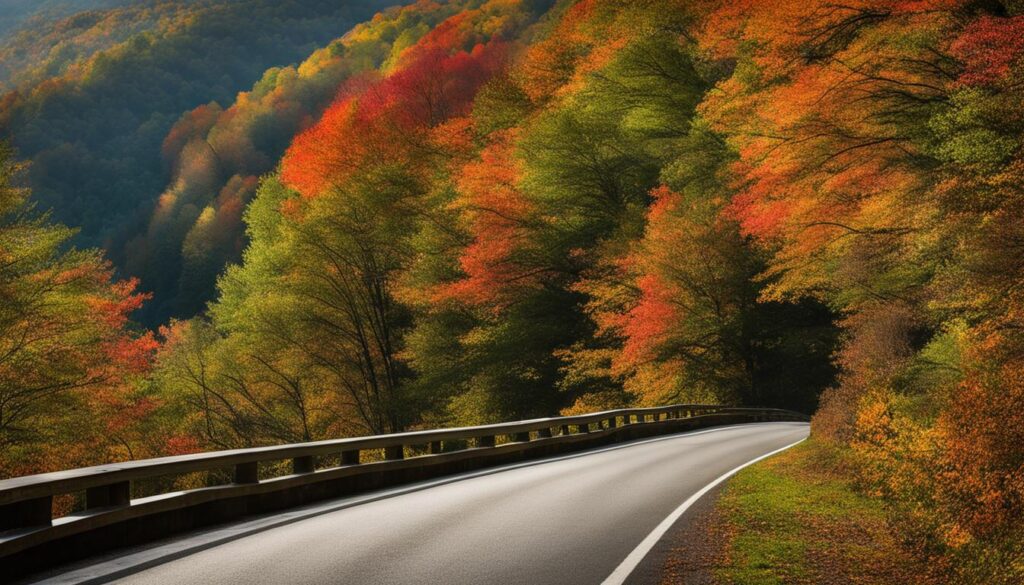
column 798, row 518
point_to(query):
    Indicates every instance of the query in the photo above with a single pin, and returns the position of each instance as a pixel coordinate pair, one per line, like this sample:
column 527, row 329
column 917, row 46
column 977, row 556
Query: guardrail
column 31, row 538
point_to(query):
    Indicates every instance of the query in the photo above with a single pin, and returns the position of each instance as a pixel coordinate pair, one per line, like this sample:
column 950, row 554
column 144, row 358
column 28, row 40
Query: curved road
column 565, row 520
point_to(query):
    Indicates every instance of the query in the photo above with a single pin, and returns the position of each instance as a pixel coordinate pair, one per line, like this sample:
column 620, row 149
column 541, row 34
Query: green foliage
column 969, row 134
column 217, row 154
column 94, row 133
column 67, row 360
column 500, row 105
column 791, row 519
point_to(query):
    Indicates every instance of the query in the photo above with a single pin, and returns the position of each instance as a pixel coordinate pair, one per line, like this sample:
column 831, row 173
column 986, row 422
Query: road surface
column 571, row 519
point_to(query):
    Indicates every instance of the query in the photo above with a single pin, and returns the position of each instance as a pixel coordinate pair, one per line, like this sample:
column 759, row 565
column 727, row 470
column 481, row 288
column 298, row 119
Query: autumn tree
column 68, row 358
column 315, row 302
column 879, row 156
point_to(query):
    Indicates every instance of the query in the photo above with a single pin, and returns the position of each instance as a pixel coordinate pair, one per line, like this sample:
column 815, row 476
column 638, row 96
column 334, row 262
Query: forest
column 484, row 210
column 91, row 103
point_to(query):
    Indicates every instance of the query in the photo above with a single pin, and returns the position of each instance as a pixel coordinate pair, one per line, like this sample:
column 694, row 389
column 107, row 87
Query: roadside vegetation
column 808, row 516
column 800, row 518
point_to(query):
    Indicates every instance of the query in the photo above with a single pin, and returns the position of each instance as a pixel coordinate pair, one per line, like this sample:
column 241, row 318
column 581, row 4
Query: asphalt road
column 566, row 520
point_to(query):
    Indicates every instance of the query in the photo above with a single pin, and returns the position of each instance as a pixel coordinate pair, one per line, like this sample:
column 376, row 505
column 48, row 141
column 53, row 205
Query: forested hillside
column 93, row 131
column 39, row 40
column 216, row 154
column 22, row 14
column 484, row 210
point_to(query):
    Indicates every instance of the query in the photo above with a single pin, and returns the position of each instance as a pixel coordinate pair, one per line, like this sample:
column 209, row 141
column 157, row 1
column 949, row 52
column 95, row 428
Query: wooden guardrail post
column 303, row 465
column 394, row 452
column 103, row 496
column 247, row 472
column 350, row 457
column 485, row 441
column 434, row 447
column 544, row 433
column 521, row 437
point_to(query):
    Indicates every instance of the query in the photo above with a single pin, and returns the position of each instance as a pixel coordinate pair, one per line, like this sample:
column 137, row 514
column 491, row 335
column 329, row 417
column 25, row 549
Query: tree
column 67, row 354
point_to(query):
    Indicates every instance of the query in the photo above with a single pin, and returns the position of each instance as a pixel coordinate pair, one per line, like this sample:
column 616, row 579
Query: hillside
column 217, row 153
column 22, row 14
column 39, row 40
column 93, row 132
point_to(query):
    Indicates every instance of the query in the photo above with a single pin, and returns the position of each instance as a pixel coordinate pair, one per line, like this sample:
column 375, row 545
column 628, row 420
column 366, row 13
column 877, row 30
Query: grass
column 797, row 518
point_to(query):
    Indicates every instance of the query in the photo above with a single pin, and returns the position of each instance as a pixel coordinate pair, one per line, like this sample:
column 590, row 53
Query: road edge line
column 633, row 560
column 177, row 547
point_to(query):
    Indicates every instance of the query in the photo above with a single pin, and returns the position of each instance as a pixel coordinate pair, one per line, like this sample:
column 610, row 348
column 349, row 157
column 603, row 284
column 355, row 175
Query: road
column 565, row 520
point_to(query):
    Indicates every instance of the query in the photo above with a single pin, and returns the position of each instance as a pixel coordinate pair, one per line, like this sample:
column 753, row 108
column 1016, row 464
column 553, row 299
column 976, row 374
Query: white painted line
column 626, row 567
column 176, row 547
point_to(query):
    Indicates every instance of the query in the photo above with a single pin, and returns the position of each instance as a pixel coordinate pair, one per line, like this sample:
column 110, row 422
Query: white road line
column 180, row 546
column 626, row 567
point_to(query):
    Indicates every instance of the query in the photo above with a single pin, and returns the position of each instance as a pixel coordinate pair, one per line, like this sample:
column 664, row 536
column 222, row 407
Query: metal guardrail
column 26, row 503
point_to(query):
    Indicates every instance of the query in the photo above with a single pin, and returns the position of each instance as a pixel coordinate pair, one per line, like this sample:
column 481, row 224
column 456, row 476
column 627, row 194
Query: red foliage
column 133, row 355
column 325, row 151
column 988, row 47
column 114, row 308
column 451, row 34
column 497, row 211
column 655, row 315
column 647, row 324
column 181, row 445
column 389, row 119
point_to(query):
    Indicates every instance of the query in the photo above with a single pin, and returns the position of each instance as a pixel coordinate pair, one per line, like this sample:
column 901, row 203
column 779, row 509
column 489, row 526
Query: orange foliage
column 981, row 483
column 388, row 120
column 647, row 324
column 655, row 315
column 815, row 115
column 585, row 39
column 195, row 123
column 496, row 211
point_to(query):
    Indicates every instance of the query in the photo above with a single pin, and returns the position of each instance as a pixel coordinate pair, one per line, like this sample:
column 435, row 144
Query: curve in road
column 573, row 519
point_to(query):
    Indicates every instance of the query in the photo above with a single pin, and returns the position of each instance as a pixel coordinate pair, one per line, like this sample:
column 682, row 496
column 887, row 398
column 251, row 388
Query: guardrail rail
column 31, row 538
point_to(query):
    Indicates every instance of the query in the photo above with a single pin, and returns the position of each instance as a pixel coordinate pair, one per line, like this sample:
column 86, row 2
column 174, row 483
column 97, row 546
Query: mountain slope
column 21, row 14
column 42, row 40
column 217, row 154
column 93, row 134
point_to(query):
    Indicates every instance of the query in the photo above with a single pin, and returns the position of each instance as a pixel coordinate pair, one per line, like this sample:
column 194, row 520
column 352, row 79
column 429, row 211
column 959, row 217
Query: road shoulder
column 691, row 551
column 795, row 518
